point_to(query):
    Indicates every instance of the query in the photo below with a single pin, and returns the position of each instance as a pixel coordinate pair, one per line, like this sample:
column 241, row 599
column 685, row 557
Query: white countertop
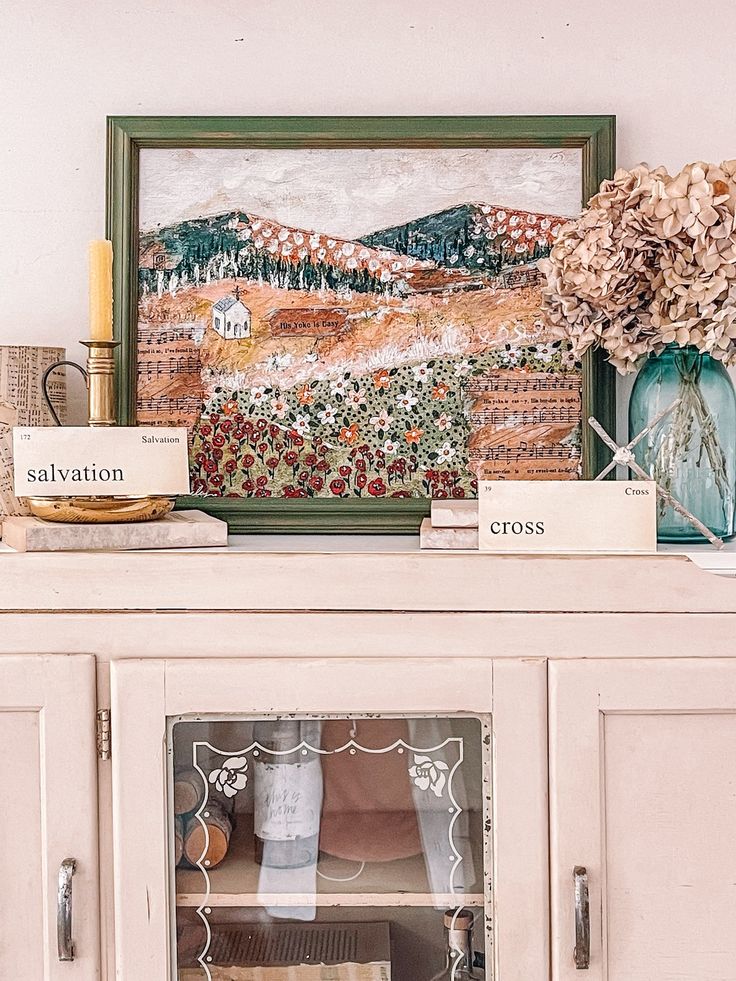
column 705, row 556
column 363, row 573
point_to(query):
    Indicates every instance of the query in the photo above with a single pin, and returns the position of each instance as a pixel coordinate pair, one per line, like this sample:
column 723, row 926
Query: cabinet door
column 48, row 813
column 643, row 796
column 278, row 811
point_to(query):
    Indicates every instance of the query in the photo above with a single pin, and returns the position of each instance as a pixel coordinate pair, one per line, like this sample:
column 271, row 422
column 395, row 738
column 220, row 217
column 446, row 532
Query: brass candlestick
column 101, row 411
column 101, row 382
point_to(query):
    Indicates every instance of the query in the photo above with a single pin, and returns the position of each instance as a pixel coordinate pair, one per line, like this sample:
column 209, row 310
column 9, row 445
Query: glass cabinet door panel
column 330, row 847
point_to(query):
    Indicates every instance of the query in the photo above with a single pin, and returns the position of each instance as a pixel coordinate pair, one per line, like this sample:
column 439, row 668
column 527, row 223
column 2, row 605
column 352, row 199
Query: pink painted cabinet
column 441, row 783
column 451, row 750
column 48, row 819
column 643, row 797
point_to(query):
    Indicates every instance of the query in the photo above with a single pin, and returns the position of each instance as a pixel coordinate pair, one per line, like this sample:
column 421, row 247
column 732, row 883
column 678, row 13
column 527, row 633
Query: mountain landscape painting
column 355, row 323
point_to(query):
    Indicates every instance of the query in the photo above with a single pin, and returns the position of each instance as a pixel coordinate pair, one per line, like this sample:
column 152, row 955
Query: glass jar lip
column 672, row 349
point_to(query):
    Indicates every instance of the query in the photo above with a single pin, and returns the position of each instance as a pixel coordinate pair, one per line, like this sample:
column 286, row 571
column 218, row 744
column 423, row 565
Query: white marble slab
column 180, row 529
column 455, row 514
column 447, row 538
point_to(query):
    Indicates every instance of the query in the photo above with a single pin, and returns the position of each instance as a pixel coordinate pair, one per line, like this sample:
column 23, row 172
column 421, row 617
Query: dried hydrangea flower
column 650, row 262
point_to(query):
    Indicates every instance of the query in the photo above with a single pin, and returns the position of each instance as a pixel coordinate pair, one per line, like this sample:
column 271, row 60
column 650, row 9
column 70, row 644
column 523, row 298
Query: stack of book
column 453, row 524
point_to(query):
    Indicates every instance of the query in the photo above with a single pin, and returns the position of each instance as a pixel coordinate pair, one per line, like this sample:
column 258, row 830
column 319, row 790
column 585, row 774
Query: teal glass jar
column 692, row 451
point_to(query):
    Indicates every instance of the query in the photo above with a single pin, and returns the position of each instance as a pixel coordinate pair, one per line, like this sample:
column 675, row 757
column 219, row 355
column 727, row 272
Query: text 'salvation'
column 75, row 475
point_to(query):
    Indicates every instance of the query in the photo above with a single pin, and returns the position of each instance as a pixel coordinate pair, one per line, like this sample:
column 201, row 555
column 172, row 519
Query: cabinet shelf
column 234, row 883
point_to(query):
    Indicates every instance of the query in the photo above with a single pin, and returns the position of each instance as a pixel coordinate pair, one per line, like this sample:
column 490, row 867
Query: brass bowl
column 99, row 510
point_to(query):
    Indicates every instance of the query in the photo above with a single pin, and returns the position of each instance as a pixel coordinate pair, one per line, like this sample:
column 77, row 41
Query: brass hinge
column 103, row 734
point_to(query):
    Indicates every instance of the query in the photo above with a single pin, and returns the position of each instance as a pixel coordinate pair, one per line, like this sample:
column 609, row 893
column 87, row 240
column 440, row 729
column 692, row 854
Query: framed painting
column 344, row 312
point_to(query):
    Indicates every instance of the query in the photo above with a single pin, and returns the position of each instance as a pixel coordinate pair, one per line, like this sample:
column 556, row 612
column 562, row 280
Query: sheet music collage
column 525, row 426
column 22, row 404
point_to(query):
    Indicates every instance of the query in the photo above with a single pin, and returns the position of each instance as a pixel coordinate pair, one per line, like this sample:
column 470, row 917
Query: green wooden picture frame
column 127, row 135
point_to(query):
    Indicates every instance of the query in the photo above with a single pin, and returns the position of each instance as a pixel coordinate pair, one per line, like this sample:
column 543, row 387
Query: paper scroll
column 22, row 404
column 525, row 426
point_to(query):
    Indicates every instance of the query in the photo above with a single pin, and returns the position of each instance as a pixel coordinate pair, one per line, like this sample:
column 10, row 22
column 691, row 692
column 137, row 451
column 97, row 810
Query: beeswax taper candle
column 100, row 290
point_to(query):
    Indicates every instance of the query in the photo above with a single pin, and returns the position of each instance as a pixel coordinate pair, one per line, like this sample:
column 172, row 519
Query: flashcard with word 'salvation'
column 119, row 461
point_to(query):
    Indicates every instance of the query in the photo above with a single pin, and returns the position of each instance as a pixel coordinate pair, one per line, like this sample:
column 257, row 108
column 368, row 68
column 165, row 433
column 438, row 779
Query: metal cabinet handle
column 582, row 918
column 64, row 940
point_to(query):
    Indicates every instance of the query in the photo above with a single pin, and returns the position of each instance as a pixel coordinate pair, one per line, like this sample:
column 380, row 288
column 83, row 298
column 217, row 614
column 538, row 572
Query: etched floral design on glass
column 231, row 776
column 429, row 774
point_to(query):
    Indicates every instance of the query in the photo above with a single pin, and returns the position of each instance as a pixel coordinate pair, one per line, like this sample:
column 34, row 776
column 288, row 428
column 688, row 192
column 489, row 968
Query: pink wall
column 668, row 74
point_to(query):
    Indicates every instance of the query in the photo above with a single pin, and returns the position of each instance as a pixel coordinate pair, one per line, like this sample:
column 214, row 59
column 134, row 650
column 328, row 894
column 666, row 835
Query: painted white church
column 231, row 317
